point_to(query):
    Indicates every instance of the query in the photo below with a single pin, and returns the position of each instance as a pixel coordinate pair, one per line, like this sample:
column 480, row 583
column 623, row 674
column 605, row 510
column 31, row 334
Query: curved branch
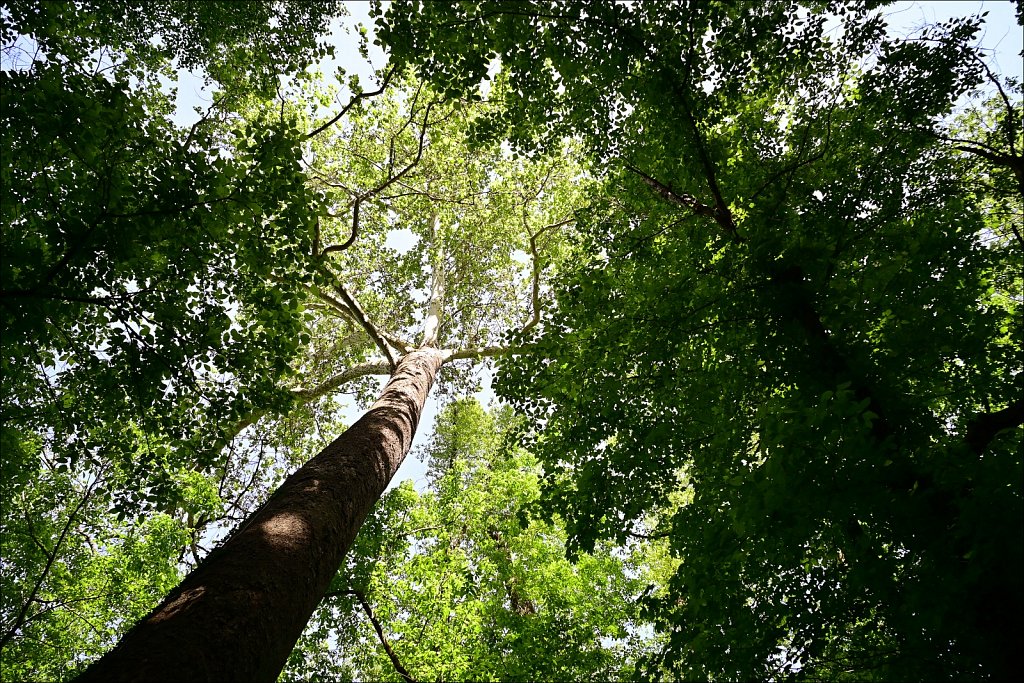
column 535, row 259
column 355, row 231
column 1011, row 111
column 369, row 194
column 343, row 377
column 402, row 671
column 984, row 427
column 355, row 100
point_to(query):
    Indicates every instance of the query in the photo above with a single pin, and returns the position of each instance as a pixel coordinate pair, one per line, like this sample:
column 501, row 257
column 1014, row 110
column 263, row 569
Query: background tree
column 450, row 585
column 810, row 319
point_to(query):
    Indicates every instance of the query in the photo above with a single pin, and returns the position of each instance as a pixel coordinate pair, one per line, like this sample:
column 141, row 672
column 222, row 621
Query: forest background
column 755, row 301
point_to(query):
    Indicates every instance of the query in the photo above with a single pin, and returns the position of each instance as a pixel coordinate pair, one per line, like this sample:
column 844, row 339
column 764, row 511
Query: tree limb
column 432, row 324
column 484, row 352
column 673, row 197
column 984, row 427
column 355, row 100
column 351, row 305
column 402, row 671
column 347, row 375
column 21, row 619
column 535, row 260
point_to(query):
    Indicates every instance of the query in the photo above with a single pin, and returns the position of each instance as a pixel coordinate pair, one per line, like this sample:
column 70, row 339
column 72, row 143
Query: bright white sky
column 1000, row 34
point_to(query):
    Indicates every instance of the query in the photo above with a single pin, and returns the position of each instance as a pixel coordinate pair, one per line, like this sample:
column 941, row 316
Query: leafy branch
column 356, row 99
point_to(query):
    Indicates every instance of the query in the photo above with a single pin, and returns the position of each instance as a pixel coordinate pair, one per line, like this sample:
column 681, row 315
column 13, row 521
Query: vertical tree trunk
column 237, row 616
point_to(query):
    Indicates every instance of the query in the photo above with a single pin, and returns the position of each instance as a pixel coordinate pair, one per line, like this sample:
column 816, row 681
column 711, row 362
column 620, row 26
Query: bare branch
column 343, row 377
column 432, row 323
column 403, row 346
column 1011, row 111
column 474, row 353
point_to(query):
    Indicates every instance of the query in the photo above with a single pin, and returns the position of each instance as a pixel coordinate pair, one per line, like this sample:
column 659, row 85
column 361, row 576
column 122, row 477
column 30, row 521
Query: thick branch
column 476, row 352
column 1014, row 163
column 432, row 324
column 396, row 341
column 343, row 377
column 722, row 214
column 359, row 315
column 673, row 197
column 535, row 259
column 984, row 427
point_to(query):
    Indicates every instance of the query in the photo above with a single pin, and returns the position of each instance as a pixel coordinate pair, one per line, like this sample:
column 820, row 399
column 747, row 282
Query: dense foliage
column 809, row 294
column 753, row 272
column 138, row 312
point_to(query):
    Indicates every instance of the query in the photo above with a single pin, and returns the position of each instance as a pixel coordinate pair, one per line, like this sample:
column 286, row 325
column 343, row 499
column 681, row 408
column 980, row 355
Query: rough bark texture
column 238, row 615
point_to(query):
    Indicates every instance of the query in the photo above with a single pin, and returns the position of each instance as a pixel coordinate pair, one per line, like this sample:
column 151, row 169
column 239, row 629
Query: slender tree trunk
column 237, row 616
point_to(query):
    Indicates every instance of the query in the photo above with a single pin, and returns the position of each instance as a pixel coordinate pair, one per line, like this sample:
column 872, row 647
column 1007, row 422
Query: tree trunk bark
column 237, row 616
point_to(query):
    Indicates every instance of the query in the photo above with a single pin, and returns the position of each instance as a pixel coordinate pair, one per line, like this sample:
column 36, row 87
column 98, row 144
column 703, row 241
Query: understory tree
column 798, row 299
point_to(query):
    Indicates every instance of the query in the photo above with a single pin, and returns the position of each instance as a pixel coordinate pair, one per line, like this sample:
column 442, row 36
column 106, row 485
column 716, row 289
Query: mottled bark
column 238, row 615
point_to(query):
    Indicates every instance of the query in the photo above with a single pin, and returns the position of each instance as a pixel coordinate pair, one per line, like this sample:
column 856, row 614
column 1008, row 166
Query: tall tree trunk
column 237, row 616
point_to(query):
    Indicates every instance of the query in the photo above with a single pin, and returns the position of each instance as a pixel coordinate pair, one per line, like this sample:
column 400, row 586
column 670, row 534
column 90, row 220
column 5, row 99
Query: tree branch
column 347, row 375
column 984, row 427
column 673, row 197
column 1011, row 111
column 535, row 259
column 402, row 671
column 722, row 215
column 432, row 324
column 355, row 100
column 358, row 314
column 21, row 619
column 484, row 352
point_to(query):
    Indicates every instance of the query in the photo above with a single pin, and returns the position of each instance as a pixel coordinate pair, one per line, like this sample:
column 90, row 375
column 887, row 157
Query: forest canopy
column 749, row 277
